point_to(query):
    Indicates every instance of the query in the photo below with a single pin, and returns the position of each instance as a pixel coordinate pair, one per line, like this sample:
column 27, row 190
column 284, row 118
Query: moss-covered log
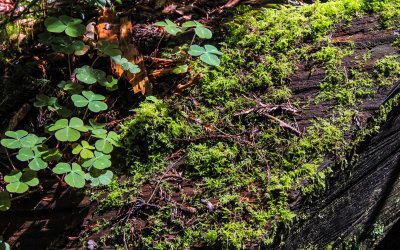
column 275, row 147
column 362, row 204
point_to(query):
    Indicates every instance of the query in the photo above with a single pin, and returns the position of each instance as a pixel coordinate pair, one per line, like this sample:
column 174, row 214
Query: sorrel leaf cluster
column 76, row 147
column 208, row 54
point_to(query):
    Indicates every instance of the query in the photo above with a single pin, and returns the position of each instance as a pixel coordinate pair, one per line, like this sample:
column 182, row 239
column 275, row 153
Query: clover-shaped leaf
column 35, row 155
column 99, row 132
column 16, row 140
column 90, row 99
column 200, row 30
column 71, row 26
column 119, row 60
column 25, row 154
column 125, row 64
column 73, row 88
column 110, row 83
column 19, row 182
column 89, row 75
column 68, row 130
column 181, row 69
column 99, row 161
column 95, row 125
column 97, row 177
column 133, row 68
column 67, row 46
column 106, row 142
column 45, row 38
column 4, row 245
column 108, row 48
column 169, row 26
column 52, row 154
column 5, row 202
column 207, row 54
column 20, row 139
column 44, row 100
column 84, row 149
column 75, row 176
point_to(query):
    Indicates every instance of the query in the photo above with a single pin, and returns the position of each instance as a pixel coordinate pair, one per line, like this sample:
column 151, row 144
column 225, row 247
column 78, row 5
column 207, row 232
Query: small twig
column 283, row 124
column 118, row 121
column 24, row 195
column 125, row 245
column 164, row 173
column 95, row 60
column 5, row 165
column 9, row 159
column 265, row 110
column 178, row 89
column 69, row 65
column 158, row 45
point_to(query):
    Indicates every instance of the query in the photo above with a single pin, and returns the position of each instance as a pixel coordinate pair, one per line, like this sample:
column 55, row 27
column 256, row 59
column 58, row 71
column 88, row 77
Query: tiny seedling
column 207, row 54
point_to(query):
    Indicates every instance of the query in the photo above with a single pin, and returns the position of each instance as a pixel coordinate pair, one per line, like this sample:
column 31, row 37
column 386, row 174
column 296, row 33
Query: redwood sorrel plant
column 81, row 150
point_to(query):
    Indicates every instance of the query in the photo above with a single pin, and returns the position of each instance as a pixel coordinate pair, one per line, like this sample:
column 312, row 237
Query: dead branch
column 265, row 110
column 169, row 167
column 179, row 89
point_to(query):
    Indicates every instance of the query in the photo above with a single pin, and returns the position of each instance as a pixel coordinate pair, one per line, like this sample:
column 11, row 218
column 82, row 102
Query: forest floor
column 227, row 161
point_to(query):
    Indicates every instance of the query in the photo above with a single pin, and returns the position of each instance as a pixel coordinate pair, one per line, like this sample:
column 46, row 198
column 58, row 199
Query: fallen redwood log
column 362, row 204
column 362, row 201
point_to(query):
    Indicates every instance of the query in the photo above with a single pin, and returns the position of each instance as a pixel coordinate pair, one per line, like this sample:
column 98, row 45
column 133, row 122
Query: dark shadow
column 52, row 219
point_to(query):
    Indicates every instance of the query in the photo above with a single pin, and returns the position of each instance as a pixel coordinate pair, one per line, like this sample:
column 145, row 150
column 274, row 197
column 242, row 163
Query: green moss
column 147, row 138
column 262, row 51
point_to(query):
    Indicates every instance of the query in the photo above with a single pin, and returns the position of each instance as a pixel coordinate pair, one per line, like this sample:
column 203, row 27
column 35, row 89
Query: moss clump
column 261, row 51
column 147, row 138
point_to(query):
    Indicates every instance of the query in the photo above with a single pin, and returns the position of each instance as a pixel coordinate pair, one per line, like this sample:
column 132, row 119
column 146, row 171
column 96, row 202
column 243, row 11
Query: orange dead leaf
column 208, row 127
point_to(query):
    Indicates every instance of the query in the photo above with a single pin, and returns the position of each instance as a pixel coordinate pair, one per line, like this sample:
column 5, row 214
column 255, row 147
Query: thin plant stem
column 194, row 36
column 69, row 65
column 9, row 159
column 84, row 116
column 95, row 60
column 158, row 45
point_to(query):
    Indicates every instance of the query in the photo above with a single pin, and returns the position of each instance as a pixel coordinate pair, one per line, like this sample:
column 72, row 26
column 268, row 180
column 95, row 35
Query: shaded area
column 46, row 219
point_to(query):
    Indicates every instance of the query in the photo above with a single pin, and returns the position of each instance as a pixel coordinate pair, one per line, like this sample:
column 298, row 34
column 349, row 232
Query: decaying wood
column 364, row 198
column 119, row 31
column 139, row 81
column 181, row 87
column 19, row 115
